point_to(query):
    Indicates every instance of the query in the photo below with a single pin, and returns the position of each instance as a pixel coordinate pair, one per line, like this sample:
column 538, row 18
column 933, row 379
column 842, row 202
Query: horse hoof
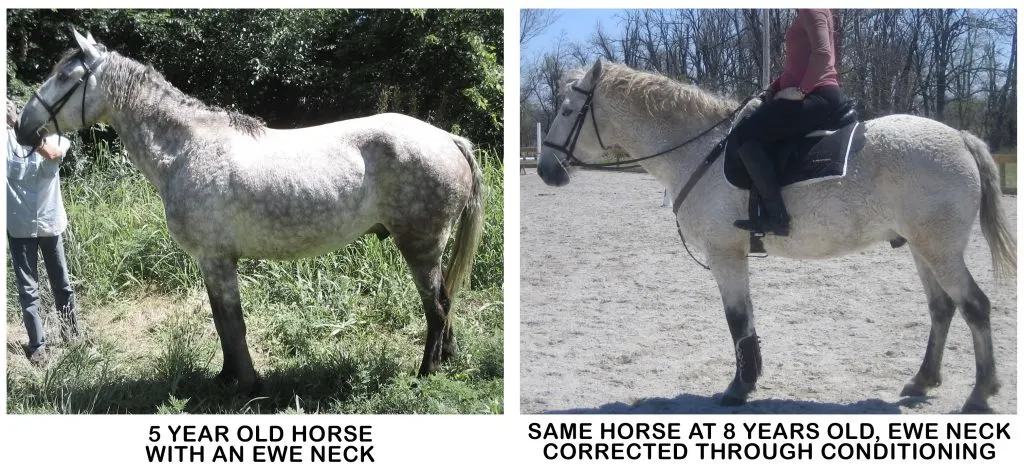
column 250, row 388
column 913, row 390
column 976, row 408
column 225, row 378
column 730, row 400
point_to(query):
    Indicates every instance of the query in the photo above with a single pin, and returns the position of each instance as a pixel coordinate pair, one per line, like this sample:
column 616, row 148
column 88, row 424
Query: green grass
column 339, row 333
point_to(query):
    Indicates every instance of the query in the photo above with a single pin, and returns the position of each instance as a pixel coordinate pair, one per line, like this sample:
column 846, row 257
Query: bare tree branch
column 533, row 22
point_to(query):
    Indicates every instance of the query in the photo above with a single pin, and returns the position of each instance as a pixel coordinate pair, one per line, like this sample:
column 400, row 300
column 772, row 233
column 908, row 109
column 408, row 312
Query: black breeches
column 779, row 119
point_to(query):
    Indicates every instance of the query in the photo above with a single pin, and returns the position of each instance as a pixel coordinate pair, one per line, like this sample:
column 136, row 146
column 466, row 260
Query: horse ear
column 88, row 35
column 596, row 70
column 86, row 45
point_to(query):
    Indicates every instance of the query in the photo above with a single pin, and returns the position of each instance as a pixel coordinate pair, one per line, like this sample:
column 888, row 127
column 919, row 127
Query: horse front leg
column 221, row 278
column 731, row 274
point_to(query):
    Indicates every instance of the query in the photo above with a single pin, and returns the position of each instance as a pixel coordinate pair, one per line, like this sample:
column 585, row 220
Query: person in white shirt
column 35, row 221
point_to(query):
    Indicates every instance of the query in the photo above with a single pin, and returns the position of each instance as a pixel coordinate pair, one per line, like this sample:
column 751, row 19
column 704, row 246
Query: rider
column 804, row 95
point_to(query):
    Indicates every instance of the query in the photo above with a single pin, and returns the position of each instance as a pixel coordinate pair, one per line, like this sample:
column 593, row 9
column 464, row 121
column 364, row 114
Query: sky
column 578, row 25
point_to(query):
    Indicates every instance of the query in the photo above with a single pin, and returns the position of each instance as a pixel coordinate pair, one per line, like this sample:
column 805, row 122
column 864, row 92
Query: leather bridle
column 57, row 105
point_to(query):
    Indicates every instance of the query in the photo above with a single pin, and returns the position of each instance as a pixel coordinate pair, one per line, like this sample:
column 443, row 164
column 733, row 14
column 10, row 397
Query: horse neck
column 650, row 134
column 155, row 131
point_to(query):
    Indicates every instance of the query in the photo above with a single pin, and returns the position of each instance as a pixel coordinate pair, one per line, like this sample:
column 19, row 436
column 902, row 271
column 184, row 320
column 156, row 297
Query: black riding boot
column 762, row 173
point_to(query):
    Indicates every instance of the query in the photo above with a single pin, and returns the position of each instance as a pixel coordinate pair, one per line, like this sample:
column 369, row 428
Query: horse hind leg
column 941, row 309
column 424, row 259
column 221, row 278
column 955, row 279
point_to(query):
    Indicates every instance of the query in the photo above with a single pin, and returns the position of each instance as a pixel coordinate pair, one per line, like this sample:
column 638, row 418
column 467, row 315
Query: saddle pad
column 817, row 156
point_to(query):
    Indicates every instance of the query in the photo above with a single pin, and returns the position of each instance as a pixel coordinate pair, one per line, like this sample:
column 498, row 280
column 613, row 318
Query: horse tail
column 994, row 225
column 467, row 238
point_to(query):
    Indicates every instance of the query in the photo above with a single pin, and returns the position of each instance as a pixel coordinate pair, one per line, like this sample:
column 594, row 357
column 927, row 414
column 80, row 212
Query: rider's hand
column 791, row 93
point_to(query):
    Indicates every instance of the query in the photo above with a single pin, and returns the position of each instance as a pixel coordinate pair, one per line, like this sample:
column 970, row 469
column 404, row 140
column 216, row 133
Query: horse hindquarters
column 422, row 245
column 949, row 284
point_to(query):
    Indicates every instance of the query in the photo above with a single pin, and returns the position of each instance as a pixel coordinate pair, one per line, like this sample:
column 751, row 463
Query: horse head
column 69, row 98
column 573, row 137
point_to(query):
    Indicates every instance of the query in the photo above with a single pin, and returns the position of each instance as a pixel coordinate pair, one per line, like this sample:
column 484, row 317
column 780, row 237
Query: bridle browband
column 56, row 106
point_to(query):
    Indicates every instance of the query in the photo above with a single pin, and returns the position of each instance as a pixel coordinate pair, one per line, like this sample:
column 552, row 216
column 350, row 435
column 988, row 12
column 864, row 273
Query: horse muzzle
column 28, row 138
column 551, row 171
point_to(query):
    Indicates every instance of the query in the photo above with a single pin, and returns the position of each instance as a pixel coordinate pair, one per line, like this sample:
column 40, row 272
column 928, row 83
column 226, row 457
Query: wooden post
column 766, row 62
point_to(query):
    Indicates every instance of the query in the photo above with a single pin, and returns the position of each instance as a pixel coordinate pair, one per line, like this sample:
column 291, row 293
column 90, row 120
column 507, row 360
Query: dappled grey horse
column 233, row 188
column 915, row 179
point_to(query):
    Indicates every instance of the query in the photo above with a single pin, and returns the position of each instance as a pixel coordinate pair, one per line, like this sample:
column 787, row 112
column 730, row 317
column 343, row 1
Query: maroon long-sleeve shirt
column 810, row 52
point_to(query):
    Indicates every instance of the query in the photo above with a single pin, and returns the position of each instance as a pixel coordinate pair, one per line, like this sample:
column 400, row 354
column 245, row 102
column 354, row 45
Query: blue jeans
column 25, row 259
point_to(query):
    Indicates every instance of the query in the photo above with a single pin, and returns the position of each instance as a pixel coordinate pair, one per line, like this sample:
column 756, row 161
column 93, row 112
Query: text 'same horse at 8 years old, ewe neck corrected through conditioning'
column 233, row 188
column 914, row 178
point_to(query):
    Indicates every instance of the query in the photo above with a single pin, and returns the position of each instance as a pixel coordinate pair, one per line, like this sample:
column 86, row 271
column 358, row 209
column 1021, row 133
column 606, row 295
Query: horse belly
column 300, row 235
column 827, row 222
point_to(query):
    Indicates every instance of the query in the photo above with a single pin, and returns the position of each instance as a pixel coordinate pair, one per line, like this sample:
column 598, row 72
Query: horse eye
column 566, row 112
column 62, row 76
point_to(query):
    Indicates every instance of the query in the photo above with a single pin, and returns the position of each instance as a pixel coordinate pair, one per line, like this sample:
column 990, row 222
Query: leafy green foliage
column 295, row 67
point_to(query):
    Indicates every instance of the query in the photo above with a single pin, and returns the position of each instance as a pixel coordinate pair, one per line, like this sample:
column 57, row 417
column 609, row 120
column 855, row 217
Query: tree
column 533, row 22
column 296, row 67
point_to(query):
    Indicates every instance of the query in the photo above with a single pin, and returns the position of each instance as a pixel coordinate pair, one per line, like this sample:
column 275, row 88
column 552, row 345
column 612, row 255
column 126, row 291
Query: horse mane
column 133, row 84
column 649, row 93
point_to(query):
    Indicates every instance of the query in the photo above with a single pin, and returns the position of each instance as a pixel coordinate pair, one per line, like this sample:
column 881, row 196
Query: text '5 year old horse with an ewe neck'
column 233, row 188
column 915, row 179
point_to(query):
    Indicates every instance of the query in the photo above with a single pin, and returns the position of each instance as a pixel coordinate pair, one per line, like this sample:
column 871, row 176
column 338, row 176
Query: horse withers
column 233, row 188
column 914, row 179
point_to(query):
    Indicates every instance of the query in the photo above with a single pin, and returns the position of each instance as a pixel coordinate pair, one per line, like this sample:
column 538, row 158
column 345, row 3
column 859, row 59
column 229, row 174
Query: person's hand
column 791, row 93
column 49, row 151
